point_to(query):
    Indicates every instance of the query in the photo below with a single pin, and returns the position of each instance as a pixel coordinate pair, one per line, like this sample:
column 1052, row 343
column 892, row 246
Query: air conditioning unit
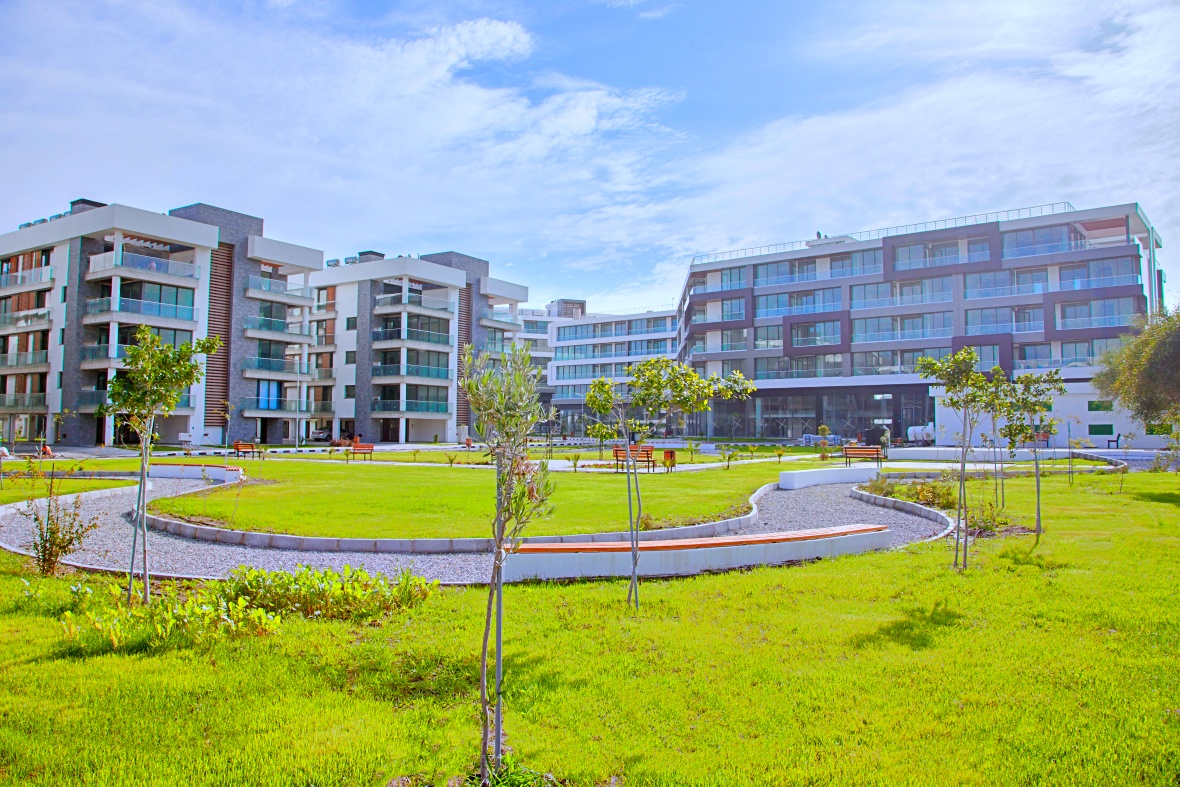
column 41, row 221
column 333, row 263
column 350, row 260
column 56, row 216
column 26, row 225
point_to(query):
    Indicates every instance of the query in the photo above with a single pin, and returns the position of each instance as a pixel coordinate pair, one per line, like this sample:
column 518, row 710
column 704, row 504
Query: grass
column 1049, row 663
column 305, row 498
column 20, row 489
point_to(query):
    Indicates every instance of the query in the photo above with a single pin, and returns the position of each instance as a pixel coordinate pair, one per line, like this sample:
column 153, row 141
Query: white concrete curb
column 907, row 507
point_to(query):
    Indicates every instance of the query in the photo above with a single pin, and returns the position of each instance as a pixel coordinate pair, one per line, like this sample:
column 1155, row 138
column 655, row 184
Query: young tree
column 1032, row 398
column 601, row 431
column 965, row 391
column 154, row 376
column 507, row 408
column 997, row 404
column 1143, row 375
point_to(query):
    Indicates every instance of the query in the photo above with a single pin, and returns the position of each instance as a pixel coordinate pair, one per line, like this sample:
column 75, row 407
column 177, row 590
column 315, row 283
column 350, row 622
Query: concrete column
column 116, row 283
column 112, row 339
column 757, row 416
column 118, row 255
column 108, row 429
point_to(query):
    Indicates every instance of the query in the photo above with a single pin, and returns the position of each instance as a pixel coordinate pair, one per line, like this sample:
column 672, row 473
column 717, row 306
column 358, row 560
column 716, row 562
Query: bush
column 938, row 494
column 58, row 528
column 251, row 602
column 881, row 486
column 987, row 520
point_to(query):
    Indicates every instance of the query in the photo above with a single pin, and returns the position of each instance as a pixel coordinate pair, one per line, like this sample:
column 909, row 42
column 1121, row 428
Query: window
column 1034, row 352
column 857, row 263
column 350, row 323
column 926, row 326
column 61, row 336
column 908, row 257
column 978, row 250
column 733, row 278
column 1029, row 318
column 995, row 320
column 771, row 368
column 987, row 285
column 772, row 273
column 815, row 333
column 1075, row 353
column 59, row 381
column 734, row 309
column 908, row 359
column 768, row 337
column 535, row 326
column 866, row 296
column 944, row 253
column 1103, row 346
column 875, row 362
column 734, row 339
column 873, row 329
column 350, row 356
column 989, row 357
column 1099, row 406
column 1042, row 240
column 350, row 392
column 732, row 365
column 63, row 293
column 1101, row 430
column 1032, row 280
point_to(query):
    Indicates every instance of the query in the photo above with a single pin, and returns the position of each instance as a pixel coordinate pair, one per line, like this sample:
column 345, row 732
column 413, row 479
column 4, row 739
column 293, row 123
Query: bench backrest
column 862, row 450
column 362, row 448
column 238, row 445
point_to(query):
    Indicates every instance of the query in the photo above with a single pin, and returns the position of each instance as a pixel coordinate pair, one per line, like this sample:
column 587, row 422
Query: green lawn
column 15, row 490
column 307, row 498
column 1043, row 664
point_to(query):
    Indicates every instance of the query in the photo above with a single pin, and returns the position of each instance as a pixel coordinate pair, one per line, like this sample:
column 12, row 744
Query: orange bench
column 641, row 455
column 851, row 452
column 249, row 449
column 696, row 543
column 362, row 449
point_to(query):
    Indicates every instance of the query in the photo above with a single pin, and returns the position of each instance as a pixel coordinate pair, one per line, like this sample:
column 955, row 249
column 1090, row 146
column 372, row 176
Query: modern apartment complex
column 831, row 329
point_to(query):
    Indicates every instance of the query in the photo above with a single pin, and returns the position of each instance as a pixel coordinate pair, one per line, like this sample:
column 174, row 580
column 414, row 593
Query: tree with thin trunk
column 998, row 407
column 149, row 387
column 1031, row 401
column 503, row 397
column 601, row 431
column 964, row 390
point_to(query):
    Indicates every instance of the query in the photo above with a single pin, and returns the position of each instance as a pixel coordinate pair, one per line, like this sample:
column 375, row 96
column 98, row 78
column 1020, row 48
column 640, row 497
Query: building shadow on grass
column 1030, row 557
column 1162, row 498
column 915, row 631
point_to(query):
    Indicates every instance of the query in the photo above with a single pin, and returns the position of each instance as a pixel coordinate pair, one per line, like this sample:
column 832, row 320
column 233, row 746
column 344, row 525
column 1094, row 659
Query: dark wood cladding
column 221, row 285
column 462, row 409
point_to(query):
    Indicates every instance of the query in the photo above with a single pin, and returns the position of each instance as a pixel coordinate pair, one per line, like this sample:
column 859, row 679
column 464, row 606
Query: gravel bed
column 829, row 505
column 109, row 546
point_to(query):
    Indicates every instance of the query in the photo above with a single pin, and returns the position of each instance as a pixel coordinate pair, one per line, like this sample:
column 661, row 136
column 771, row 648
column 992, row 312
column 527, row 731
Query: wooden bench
column 249, row 449
column 851, row 452
column 362, row 449
column 642, row 455
column 666, row 544
column 1114, row 442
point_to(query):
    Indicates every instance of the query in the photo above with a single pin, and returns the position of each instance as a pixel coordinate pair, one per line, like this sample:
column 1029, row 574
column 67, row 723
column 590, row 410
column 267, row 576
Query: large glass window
column 815, row 333
column 771, row 305
column 944, row 253
column 1032, row 280
column 771, row 368
column 733, row 278
column 734, row 339
column 768, row 337
column 1040, row 240
column 857, row 263
column 874, row 362
column 867, row 296
column 733, row 309
column 909, row 257
column 978, row 250
column 995, row 320
column 873, row 329
column 987, row 285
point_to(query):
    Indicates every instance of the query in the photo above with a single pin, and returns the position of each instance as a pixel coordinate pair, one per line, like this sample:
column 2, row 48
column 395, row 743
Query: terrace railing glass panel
column 20, row 278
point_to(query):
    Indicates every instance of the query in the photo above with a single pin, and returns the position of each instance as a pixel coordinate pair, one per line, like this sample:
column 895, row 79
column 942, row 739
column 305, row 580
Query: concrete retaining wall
column 222, row 474
column 905, row 506
column 686, row 562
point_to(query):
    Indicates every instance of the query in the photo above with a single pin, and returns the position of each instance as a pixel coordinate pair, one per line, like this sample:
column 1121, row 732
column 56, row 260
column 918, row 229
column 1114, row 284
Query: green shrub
column 881, row 486
column 938, row 494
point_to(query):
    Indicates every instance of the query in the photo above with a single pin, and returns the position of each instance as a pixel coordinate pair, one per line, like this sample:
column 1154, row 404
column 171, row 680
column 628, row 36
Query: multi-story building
column 75, row 288
column 386, row 338
column 831, row 329
column 589, row 346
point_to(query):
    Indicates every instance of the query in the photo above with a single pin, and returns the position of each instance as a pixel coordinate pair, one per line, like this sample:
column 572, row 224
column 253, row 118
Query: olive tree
column 964, row 390
column 154, row 376
column 503, row 397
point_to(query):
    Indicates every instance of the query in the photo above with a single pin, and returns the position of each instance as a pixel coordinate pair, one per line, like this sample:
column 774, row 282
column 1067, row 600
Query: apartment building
column 75, row 287
column 386, row 337
column 831, row 329
column 589, row 346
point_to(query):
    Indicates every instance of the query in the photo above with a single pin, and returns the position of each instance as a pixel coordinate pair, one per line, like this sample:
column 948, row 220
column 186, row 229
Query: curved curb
column 905, row 506
column 420, row 546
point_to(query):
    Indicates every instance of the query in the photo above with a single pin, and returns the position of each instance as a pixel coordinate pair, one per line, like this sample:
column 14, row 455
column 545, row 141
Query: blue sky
column 589, row 147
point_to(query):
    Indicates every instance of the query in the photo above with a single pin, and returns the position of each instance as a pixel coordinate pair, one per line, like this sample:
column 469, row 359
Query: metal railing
column 17, row 360
column 1012, row 327
column 278, row 287
column 424, row 301
column 21, row 400
column 32, row 276
column 170, row 311
column 902, row 229
column 1111, row 321
column 25, row 318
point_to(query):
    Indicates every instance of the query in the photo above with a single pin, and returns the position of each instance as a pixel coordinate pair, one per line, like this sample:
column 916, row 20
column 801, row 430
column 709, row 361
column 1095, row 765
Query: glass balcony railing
column 898, row 368
column 927, row 262
column 25, row 318
column 171, row 311
column 143, row 262
column 90, row 397
column 278, row 287
column 387, row 334
column 322, row 373
column 1092, row 284
column 814, row 341
column 275, row 326
column 1010, row 252
column 275, row 365
column 1026, row 364
column 323, row 307
column 386, row 406
column 320, row 407
column 323, row 339
column 275, row 405
column 794, row 374
column 386, row 370
column 901, row 336
column 100, row 352
column 1110, row 321
column 1003, row 292
column 1012, row 327
column 17, row 360
column 902, row 300
column 20, row 278
column 16, row 401
column 412, row 406
column 433, row 372
column 807, row 308
column 414, row 299
column 418, row 335
column 499, row 315
column 768, row 344
column 1042, row 287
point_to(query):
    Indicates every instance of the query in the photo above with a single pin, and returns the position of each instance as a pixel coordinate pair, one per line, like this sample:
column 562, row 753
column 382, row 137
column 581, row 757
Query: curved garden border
column 905, row 506
column 252, row 538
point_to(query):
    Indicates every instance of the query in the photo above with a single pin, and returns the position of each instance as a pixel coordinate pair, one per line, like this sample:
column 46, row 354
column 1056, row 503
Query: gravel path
column 829, row 505
column 110, row 546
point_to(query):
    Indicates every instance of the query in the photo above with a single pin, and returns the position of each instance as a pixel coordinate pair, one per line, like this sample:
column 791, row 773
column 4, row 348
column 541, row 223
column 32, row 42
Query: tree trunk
column 962, row 526
column 483, row 676
column 1037, row 474
column 635, row 539
column 631, row 594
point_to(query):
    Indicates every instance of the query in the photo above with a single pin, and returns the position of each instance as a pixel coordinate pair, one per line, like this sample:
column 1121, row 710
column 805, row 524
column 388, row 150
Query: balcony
column 903, row 300
column 12, row 281
column 927, row 262
column 386, row 406
column 432, row 337
column 22, row 402
column 501, row 319
column 412, row 406
column 1012, row 252
column 323, row 309
column 1112, row 321
column 1005, row 292
column 278, row 291
column 26, row 320
column 272, row 368
column 92, row 399
column 320, row 407
column 433, row 372
column 323, row 339
column 807, row 308
column 276, row 330
column 1013, row 327
column 810, row 276
column 814, row 341
column 1030, row 364
column 131, row 263
column 414, row 299
column 387, row 334
column 254, row 407
column 321, row 373
column 795, row 374
column 1093, row 284
column 22, row 360
column 902, row 336
column 166, row 311
column 862, row 371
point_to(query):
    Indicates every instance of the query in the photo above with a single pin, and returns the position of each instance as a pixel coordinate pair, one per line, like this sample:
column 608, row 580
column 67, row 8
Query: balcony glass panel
column 34, row 276
column 278, row 287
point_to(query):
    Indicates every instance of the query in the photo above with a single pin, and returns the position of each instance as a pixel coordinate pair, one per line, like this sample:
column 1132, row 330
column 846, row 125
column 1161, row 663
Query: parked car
column 321, row 435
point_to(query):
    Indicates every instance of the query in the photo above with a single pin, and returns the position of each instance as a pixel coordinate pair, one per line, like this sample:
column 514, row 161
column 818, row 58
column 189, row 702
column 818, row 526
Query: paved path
column 110, row 545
